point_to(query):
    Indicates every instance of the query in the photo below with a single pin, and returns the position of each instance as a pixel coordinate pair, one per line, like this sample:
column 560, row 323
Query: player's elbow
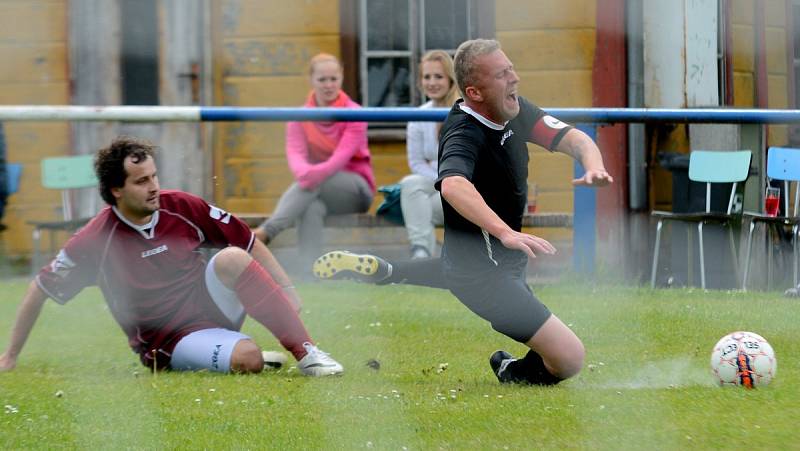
column 451, row 185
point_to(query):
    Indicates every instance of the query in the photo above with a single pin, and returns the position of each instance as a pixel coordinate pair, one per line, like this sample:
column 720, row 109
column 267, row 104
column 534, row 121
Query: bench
column 357, row 220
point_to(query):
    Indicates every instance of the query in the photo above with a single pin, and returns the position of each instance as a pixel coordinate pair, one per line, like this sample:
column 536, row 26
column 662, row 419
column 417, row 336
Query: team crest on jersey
column 506, row 135
column 219, row 214
column 158, row 250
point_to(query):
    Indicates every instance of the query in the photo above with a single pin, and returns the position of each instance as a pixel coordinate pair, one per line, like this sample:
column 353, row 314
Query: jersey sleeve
column 74, row 268
column 220, row 228
column 459, row 152
column 545, row 130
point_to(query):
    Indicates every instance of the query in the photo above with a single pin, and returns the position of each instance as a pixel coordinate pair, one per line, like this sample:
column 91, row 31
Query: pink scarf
column 320, row 144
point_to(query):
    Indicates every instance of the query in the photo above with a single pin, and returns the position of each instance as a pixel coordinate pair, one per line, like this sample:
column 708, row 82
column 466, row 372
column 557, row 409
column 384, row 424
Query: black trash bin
column 687, row 197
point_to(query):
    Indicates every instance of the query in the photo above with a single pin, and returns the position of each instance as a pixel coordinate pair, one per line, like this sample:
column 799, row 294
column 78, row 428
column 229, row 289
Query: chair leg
column 655, row 254
column 35, row 262
column 747, row 255
column 689, row 257
column 702, row 255
column 734, row 255
column 795, row 233
column 770, row 255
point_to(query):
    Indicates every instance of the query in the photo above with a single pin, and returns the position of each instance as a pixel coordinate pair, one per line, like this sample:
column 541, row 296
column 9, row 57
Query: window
column 139, row 59
column 394, row 34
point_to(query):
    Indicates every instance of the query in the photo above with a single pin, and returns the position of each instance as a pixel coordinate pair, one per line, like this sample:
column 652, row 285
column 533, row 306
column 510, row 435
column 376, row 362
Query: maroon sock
column 264, row 301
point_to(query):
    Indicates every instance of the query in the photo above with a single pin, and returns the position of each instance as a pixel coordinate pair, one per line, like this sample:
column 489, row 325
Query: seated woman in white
column 421, row 203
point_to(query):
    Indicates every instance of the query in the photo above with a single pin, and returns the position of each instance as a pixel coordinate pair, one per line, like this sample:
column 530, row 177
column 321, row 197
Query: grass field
column 647, row 385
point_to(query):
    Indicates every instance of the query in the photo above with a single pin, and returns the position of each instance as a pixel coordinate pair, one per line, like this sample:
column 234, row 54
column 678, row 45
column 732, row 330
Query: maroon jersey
column 152, row 276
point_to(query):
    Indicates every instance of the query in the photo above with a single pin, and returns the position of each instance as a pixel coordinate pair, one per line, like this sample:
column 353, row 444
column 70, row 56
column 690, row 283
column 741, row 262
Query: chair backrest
column 66, row 173
column 783, row 163
column 719, row 167
column 13, row 175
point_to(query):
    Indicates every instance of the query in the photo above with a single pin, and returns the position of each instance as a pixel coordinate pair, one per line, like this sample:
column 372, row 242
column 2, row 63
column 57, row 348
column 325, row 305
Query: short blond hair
column 464, row 61
column 322, row 58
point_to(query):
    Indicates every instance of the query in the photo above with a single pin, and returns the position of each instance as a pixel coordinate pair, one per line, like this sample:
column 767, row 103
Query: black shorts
column 502, row 297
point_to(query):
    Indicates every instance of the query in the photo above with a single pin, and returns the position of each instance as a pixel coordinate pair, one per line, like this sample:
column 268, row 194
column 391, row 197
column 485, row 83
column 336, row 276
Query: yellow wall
column 34, row 71
column 744, row 41
column 261, row 53
column 552, row 44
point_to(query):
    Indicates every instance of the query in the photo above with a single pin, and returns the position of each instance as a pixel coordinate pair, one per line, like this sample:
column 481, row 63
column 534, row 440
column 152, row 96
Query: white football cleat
column 318, row 363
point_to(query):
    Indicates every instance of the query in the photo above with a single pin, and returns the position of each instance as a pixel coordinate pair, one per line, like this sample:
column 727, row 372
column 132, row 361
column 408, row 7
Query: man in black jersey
column 483, row 173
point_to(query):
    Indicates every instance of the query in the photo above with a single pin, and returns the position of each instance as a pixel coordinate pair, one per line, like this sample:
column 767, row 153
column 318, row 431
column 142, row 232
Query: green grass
column 649, row 386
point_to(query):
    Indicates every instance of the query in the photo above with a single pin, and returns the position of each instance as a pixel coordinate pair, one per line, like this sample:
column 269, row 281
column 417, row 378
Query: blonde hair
column 464, row 60
column 447, row 64
column 322, row 58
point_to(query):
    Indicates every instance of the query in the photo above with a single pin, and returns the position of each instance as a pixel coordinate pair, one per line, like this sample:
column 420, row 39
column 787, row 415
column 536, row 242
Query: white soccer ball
column 743, row 358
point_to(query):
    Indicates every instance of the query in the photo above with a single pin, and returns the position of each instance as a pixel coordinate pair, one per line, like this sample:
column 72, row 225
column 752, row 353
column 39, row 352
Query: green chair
column 65, row 174
column 708, row 167
column 783, row 163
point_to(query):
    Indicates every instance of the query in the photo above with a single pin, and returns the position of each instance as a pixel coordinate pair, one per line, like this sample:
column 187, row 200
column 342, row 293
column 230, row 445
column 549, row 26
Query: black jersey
column 494, row 158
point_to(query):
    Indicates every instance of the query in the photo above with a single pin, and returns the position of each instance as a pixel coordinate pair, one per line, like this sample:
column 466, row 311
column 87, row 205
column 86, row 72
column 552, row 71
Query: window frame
column 481, row 17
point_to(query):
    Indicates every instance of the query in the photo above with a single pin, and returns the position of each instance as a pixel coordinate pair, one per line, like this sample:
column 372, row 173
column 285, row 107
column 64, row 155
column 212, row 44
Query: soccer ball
column 743, row 358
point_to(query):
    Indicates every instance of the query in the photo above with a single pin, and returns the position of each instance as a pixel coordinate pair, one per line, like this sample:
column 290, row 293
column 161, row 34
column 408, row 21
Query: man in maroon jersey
column 178, row 310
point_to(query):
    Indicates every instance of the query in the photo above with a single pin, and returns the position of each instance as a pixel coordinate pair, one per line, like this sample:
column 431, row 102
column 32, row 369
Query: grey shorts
column 503, row 298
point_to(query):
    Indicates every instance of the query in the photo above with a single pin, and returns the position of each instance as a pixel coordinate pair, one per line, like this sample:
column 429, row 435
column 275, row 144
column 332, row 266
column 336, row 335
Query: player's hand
column 530, row 244
column 594, row 178
column 7, row 363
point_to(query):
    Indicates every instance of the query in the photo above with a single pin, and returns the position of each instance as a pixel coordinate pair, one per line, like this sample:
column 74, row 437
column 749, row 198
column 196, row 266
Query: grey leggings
column 343, row 192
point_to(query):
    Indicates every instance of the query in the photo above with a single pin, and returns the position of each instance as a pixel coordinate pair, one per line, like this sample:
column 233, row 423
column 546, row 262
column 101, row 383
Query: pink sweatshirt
column 351, row 154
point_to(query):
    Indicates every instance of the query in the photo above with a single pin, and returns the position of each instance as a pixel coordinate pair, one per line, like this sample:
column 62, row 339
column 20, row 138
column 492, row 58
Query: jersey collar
column 146, row 230
column 482, row 119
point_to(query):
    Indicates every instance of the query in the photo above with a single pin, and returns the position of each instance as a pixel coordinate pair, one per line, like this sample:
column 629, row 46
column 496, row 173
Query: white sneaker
column 318, row 363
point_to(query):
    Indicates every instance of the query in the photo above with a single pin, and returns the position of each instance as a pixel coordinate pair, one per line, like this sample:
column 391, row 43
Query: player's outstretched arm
column 461, row 194
column 27, row 315
column 580, row 146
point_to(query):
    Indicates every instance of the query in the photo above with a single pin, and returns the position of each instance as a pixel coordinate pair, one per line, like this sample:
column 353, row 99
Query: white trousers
column 422, row 210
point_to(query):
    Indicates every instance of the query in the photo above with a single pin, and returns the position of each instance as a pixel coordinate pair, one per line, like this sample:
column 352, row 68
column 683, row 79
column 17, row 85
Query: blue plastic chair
column 13, row 176
column 783, row 163
column 708, row 167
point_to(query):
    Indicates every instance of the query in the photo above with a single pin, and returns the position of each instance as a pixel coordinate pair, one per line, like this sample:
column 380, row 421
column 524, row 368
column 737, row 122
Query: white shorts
column 211, row 349
column 207, row 349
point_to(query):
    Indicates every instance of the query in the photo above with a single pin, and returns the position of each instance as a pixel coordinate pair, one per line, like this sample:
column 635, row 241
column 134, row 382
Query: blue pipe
column 571, row 115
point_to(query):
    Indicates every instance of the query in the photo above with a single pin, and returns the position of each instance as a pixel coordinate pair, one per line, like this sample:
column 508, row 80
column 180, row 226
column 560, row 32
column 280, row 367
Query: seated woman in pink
column 330, row 162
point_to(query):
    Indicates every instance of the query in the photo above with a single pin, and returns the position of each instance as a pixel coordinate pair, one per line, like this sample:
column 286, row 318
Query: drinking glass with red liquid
column 772, row 201
column 532, row 192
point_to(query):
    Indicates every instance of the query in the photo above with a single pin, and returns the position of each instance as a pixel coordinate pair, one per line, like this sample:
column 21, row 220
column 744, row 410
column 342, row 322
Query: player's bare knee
column 570, row 362
column 246, row 358
column 230, row 263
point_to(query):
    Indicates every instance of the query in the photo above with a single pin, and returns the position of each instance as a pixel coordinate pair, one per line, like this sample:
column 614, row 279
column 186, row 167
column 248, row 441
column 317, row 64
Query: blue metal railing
column 217, row 114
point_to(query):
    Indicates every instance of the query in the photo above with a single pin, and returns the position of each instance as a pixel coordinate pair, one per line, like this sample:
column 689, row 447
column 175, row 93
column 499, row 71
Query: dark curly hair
column 109, row 163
